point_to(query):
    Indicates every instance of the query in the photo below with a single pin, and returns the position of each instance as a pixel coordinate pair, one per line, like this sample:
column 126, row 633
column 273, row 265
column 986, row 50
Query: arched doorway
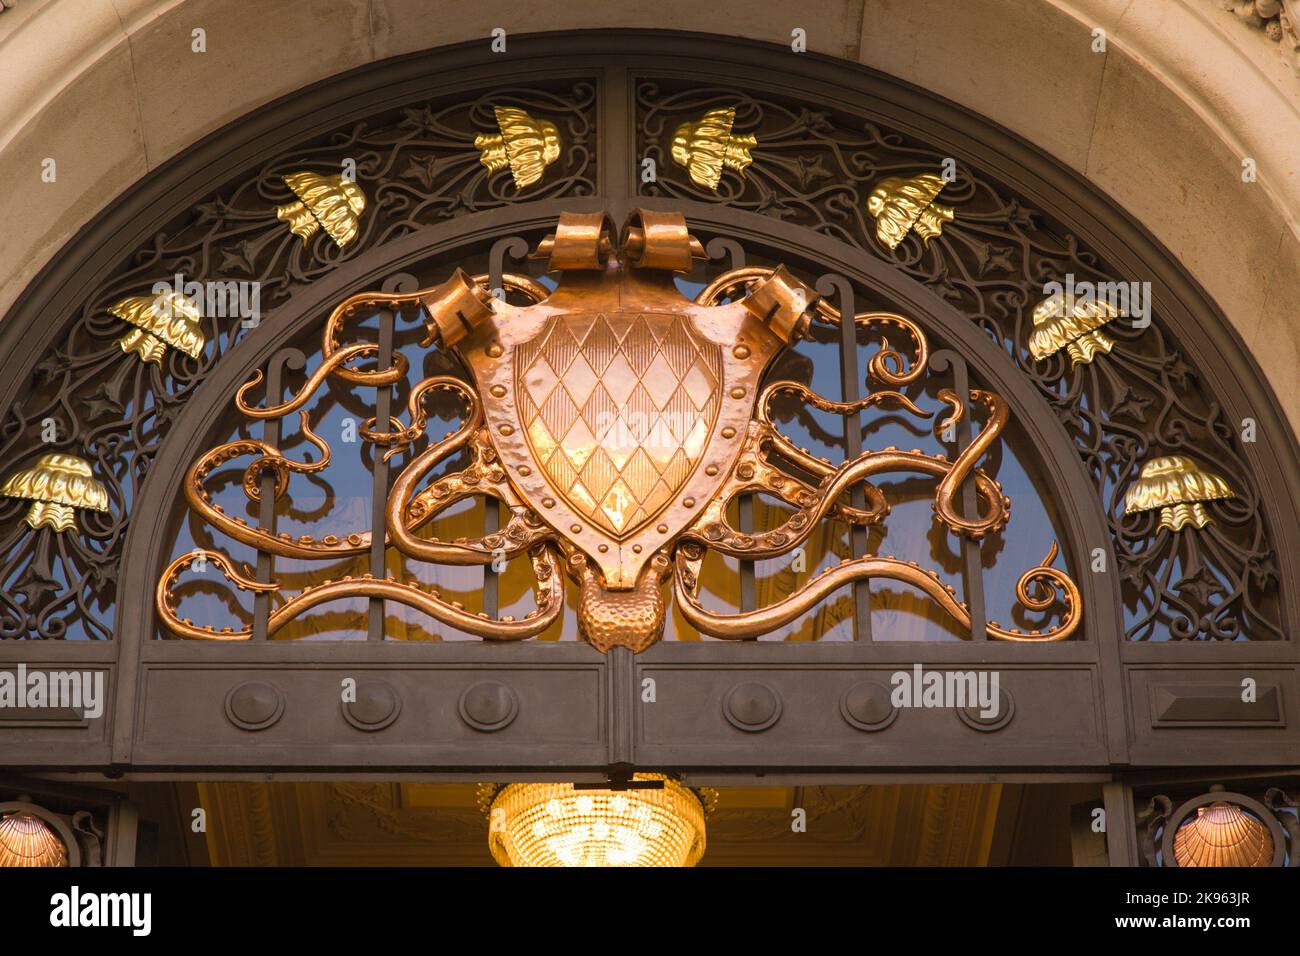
column 1161, row 608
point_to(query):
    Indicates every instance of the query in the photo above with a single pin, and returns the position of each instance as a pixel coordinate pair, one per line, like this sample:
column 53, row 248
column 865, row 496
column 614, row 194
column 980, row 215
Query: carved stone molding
column 1277, row 22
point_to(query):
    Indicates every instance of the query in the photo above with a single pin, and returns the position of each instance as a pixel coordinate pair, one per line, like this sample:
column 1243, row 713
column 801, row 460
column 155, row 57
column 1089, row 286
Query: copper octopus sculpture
column 615, row 419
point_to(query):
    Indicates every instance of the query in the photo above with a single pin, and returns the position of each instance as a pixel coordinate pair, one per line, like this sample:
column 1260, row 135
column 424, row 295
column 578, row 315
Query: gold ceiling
column 340, row 824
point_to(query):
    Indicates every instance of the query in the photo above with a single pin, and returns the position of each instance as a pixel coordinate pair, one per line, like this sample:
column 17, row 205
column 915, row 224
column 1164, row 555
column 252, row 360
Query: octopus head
column 632, row 618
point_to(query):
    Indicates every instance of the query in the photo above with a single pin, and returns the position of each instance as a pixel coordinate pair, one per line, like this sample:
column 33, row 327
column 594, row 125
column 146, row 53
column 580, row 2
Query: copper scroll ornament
column 615, row 419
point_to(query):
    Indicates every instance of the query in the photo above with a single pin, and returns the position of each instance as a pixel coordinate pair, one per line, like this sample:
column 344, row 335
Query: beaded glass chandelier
column 552, row 824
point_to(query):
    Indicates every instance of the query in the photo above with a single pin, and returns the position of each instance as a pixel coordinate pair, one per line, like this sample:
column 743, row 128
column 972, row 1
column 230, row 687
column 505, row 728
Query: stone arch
column 1175, row 72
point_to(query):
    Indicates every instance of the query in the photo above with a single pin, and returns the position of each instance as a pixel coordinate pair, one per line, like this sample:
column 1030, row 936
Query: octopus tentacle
column 999, row 511
column 269, row 459
column 549, row 597
column 332, row 365
column 519, row 533
column 751, row 624
column 877, row 507
column 951, row 474
column 811, row 508
column 1049, row 581
column 888, row 366
column 483, row 476
column 330, row 346
column 548, row 593
column 955, row 415
column 401, row 437
column 396, row 300
column 280, row 466
column 731, row 284
column 166, row 601
column 753, row 473
column 712, row 528
column 808, row 396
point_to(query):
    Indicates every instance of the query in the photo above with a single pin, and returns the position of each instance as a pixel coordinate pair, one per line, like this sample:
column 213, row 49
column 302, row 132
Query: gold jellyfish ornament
column 1075, row 327
column 901, row 204
column 169, row 319
column 56, row 485
column 1179, row 487
column 1223, row 834
column 704, row 146
column 525, row 145
column 27, row 840
column 332, row 203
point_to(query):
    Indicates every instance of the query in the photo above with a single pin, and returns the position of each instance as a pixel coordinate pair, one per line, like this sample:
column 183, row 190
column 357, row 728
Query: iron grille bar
column 735, row 255
column 266, row 505
column 835, row 284
column 972, row 567
column 379, row 484
column 517, row 247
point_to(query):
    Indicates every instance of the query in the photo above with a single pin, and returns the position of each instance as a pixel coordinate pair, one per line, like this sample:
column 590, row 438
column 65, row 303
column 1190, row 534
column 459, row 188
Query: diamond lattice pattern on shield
column 618, row 410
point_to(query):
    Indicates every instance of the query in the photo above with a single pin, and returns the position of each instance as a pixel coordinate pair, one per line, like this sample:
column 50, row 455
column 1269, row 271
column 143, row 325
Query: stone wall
column 1162, row 117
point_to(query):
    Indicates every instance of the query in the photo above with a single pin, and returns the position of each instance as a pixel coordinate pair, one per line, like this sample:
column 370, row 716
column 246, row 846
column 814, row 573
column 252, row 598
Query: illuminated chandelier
column 554, row 824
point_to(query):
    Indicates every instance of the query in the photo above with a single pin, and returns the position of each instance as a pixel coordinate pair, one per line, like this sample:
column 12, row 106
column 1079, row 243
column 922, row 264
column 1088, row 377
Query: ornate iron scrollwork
column 615, row 420
column 1220, row 828
column 417, row 165
column 1125, row 396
